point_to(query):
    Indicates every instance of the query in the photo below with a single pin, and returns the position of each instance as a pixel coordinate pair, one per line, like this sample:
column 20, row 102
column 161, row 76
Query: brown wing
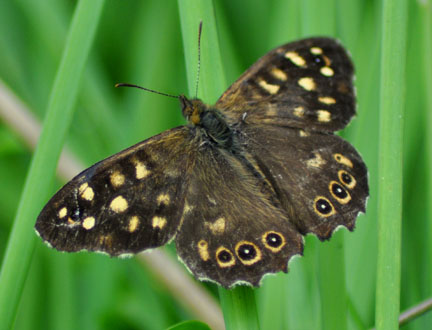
column 305, row 84
column 233, row 231
column 126, row 203
column 320, row 179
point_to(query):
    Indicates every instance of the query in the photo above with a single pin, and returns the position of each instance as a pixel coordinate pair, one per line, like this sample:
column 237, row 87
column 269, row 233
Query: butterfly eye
column 323, row 207
column 248, row 252
column 273, row 241
column 224, row 257
column 339, row 193
column 347, row 179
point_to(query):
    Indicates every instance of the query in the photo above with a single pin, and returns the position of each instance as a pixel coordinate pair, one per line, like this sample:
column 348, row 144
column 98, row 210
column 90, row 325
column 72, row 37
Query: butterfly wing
column 320, row 179
column 233, row 229
column 305, row 84
column 125, row 203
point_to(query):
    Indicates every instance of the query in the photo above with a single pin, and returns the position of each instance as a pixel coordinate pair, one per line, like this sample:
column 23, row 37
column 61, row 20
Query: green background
column 141, row 42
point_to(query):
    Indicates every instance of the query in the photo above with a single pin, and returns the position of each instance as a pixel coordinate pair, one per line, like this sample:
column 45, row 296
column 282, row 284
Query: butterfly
column 239, row 186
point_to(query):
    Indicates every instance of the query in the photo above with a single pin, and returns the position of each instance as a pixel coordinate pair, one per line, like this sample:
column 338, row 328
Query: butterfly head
column 192, row 109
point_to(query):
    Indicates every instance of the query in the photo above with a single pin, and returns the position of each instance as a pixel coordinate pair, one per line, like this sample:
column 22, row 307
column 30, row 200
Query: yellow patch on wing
column 272, row 89
column 279, row 74
column 295, row 58
column 117, row 179
column 133, row 223
column 217, row 227
column 327, row 100
column 203, row 250
column 307, row 83
column 88, row 223
column 324, row 116
column 86, row 192
column 119, row 204
column 159, row 222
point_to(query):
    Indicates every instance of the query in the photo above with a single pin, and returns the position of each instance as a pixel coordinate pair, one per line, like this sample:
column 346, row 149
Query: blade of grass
column 21, row 242
column 362, row 246
column 212, row 78
column 239, row 308
column 427, row 44
column 238, row 305
column 393, row 55
column 319, row 18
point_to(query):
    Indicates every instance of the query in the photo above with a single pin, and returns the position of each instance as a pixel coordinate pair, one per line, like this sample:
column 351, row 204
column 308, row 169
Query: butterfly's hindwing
column 305, row 84
column 232, row 232
column 320, row 179
column 126, row 203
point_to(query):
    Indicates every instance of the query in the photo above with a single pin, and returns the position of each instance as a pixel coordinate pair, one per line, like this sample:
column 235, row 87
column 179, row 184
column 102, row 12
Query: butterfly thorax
column 210, row 122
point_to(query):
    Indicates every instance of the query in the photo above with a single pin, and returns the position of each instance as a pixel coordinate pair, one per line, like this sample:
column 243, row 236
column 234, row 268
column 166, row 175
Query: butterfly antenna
column 146, row 89
column 199, row 58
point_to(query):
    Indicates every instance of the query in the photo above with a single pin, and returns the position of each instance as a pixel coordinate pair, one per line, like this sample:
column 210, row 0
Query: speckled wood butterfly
column 236, row 187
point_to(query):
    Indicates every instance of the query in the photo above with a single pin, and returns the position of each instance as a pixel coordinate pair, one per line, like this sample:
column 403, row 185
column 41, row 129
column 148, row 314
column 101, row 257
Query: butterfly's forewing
column 305, row 84
column 233, row 230
column 126, row 203
column 320, row 179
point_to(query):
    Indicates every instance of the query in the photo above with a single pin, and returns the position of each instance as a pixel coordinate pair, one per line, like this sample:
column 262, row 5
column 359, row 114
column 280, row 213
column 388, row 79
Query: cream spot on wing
column 303, row 133
column 272, row 111
column 272, row 89
column 141, row 170
column 217, row 227
column 326, row 60
column 317, row 161
column 62, row 213
column 159, row 222
column 343, row 160
column 119, row 204
column 106, row 241
column 187, row 208
column 86, row 192
column 323, row 116
column 295, row 58
column 163, row 199
column 88, row 223
column 279, row 74
column 72, row 223
column 133, row 223
column 117, row 179
column 299, row 111
column 327, row 100
column 316, row 50
column 307, row 83
column 327, row 71
column 203, row 250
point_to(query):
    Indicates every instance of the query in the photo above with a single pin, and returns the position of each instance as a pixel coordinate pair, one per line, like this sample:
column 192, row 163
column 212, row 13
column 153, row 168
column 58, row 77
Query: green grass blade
column 190, row 325
column 21, row 241
column 390, row 163
column 332, row 286
column 212, row 78
column 239, row 308
column 319, row 19
column 426, row 10
column 238, row 304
